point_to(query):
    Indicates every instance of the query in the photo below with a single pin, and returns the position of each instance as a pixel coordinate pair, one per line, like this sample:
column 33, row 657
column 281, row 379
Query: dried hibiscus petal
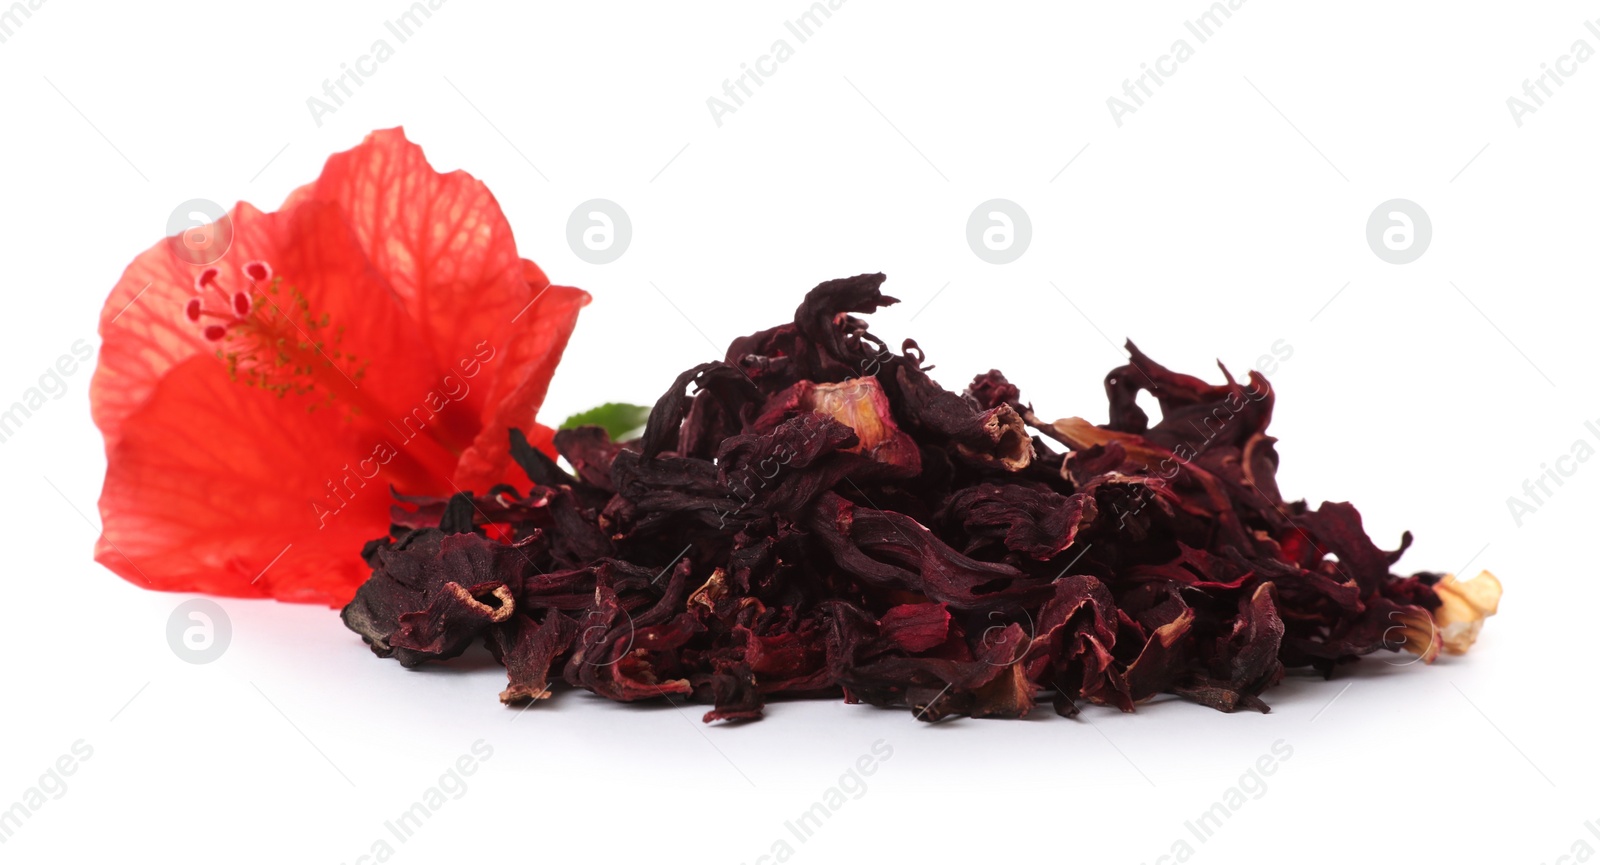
column 528, row 647
column 432, row 594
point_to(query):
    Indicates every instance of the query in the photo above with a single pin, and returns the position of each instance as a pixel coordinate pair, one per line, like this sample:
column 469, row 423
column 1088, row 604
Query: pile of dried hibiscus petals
column 820, row 518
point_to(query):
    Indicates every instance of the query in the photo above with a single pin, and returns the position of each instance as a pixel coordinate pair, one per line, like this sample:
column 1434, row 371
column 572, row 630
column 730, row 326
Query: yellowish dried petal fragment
column 858, row 403
column 1420, row 634
column 1465, row 606
column 1079, row 434
column 861, row 404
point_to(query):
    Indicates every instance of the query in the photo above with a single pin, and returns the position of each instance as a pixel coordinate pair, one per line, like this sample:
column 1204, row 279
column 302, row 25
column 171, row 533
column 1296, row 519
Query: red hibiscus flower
column 379, row 329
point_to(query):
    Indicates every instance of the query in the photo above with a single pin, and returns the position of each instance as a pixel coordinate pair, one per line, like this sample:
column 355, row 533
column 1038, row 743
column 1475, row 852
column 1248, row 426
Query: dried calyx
column 819, row 518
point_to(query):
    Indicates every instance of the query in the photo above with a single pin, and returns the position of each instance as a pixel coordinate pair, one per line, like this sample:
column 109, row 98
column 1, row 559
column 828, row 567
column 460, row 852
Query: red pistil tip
column 191, row 310
column 207, row 278
column 241, row 304
column 215, row 332
column 258, row 271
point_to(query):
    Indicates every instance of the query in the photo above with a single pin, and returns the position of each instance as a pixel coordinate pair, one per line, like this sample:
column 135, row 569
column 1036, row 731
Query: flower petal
column 211, row 482
column 446, row 248
column 142, row 328
column 522, row 375
column 440, row 239
column 144, row 332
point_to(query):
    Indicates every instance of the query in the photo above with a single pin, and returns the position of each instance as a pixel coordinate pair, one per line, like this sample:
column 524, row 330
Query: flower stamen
column 278, row 345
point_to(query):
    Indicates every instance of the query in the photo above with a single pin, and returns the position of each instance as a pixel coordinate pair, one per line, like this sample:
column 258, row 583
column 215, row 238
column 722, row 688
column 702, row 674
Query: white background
column 1223, row 216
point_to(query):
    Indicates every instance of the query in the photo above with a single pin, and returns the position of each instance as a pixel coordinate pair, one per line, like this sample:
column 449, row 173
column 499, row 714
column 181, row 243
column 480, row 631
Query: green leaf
column 618, row 418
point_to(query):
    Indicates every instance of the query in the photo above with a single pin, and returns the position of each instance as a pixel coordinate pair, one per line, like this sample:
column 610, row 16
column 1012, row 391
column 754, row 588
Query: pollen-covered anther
column 214, row 300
